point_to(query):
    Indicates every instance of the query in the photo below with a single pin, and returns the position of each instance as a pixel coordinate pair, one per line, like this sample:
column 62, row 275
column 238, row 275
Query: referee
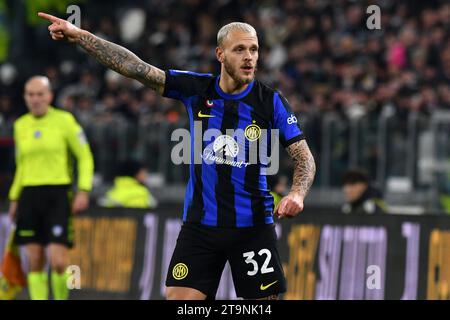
column 41, row 201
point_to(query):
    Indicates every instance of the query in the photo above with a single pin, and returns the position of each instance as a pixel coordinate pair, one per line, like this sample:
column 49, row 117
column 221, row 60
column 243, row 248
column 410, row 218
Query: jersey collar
column 233, row 96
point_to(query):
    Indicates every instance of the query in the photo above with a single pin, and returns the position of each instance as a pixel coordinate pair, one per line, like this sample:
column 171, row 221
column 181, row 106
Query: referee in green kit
column 45, row 138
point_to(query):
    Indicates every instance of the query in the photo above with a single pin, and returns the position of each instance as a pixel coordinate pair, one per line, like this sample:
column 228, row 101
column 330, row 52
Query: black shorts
column 44, row 216
column 202, row 251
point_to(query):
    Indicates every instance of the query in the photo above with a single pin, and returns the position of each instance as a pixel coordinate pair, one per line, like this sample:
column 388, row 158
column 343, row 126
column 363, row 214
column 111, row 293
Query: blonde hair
column 226, row 29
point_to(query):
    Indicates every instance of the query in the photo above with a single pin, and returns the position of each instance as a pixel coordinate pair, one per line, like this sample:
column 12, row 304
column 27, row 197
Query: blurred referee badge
column 73, row 277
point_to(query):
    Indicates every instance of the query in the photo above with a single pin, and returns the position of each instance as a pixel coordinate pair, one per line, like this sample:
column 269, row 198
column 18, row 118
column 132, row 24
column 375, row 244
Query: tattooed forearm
column 122, row 61
column 304, row 167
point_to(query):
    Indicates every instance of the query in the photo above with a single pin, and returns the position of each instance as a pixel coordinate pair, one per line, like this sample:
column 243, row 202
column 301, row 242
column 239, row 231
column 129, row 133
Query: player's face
column 239, row 55
column 37, row 97
column 353, row 191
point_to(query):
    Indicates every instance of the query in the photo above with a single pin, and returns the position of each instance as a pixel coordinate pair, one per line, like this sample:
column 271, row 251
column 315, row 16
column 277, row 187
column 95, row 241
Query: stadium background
column 376, row 99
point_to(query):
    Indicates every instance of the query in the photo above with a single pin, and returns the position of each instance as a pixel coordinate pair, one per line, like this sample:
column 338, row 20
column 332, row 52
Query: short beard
column 233, row 74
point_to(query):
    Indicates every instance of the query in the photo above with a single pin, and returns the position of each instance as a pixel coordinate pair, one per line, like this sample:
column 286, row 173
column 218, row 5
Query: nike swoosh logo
column 201, row 115
column 263, row 287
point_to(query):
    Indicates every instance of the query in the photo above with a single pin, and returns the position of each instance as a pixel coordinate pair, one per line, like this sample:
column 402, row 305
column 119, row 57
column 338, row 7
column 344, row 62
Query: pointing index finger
column 48, row 17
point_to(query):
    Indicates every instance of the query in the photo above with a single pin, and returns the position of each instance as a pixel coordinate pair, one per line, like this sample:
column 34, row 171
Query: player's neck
column 40, row 115
column 228, row 85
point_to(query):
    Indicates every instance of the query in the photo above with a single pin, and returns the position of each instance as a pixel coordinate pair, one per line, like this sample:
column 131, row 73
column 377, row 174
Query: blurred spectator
column 129, row 190
column 360, row 196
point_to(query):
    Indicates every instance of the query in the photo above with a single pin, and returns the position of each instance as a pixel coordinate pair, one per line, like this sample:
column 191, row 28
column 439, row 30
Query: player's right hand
column 61, row 29
column 12, row 210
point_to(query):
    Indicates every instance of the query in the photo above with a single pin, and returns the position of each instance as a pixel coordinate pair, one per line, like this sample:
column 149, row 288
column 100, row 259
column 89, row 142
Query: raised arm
column 304, row 171
column 109, row 54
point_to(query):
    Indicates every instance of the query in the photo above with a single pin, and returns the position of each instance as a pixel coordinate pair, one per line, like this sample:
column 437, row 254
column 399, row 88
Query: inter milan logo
column 252, row 132
column 180, row 271
column 37, row 134
column 209, row 103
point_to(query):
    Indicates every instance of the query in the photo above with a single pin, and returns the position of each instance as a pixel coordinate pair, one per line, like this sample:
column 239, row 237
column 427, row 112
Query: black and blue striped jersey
column 230, row 148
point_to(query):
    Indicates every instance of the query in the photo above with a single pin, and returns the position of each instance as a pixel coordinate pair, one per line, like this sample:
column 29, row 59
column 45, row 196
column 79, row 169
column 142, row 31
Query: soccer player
column 228, row 211
column 40, row 193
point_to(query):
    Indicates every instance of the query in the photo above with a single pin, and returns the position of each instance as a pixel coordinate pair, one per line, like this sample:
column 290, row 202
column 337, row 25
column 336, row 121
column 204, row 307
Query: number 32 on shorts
column 249, row 260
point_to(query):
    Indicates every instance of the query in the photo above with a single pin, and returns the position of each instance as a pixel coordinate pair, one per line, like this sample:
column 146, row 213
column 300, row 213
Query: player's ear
column 219, row 54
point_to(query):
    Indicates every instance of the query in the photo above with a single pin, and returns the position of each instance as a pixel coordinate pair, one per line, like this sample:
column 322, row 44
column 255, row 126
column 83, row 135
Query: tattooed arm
column 304, row 171
column 122, row 60
column 304, row 167
column 109, row 54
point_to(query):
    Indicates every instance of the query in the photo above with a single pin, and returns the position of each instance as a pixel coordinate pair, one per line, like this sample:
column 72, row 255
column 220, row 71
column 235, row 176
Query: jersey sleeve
column 285, row 121
column 16, row 187
column 79, row 146
column 181, row 85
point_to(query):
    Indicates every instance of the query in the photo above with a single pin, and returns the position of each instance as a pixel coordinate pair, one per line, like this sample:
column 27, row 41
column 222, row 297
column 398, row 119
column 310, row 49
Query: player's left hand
column 290, row 206
column 81, row 202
